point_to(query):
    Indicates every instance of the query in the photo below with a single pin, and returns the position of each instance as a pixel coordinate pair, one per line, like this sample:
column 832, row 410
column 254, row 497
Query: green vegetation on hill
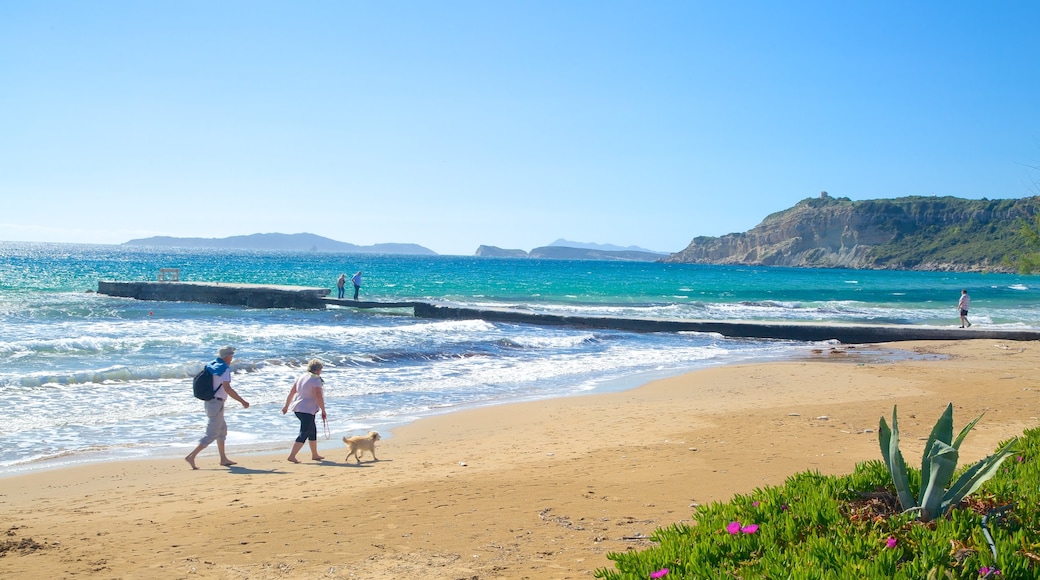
column 1029, row 262
column 949, row 230
column 907, row 233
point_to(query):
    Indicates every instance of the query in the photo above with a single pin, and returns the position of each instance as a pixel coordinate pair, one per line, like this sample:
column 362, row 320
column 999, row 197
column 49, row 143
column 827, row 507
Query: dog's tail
column 345, row 440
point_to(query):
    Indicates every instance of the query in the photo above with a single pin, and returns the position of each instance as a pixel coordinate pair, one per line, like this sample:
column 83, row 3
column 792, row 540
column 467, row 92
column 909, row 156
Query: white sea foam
column 94, row 376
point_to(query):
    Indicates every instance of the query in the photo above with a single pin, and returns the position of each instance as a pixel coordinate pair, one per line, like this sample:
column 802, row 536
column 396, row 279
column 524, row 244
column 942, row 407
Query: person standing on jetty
column 962, row 305
column 306, row 398
column 357, row 283
column 216, row 427
column 341, row 285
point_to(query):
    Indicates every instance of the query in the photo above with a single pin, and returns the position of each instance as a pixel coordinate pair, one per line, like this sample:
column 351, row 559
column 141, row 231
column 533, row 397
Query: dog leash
column 324, row 421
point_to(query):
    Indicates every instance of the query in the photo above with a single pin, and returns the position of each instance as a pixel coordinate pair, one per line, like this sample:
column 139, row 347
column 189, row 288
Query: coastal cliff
column 908, row 233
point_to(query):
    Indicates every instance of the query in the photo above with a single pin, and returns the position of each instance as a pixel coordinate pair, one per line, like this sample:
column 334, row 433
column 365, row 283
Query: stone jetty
column 267, row 296
column 806, row 331
column 251, row 295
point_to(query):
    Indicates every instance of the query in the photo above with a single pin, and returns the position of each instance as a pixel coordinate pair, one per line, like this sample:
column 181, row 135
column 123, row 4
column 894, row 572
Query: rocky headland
column 907, row 233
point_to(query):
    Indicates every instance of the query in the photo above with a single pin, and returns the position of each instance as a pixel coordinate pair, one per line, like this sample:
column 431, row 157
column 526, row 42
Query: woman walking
column 306, row 398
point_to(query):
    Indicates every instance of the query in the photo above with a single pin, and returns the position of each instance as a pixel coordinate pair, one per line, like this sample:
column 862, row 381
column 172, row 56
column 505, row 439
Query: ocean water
column 86, row 377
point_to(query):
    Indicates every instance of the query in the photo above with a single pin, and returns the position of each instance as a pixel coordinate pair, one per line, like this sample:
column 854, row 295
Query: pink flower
column 987, row 571
column 660, row 573
column 754, row 504
column 891, row 542
column 735, row 528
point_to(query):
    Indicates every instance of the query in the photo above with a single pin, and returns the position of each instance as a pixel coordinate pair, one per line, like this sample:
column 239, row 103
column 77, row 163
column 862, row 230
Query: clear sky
column 452, row 124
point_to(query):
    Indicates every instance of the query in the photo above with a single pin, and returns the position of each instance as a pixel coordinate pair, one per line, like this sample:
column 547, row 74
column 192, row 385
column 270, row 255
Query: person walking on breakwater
column 341, row 284
column 357, row 283
column 962, row 305
column 216, row 427
column 306, row 398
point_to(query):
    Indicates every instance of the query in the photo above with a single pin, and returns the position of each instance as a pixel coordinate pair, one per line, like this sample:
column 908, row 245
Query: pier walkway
column 251, row 295
column 267, row 296
column 367, row 304
column 809, row 331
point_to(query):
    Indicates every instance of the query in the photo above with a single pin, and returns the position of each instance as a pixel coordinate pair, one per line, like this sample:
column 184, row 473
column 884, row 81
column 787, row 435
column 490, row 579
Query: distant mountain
column 569, row 253
column 602, row 247
column 495, row 252
column 281, row 242
column 906, row 233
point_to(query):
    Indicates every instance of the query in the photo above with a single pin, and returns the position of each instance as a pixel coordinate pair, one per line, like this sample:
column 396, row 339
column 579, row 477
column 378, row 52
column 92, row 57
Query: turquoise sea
column 86, row 377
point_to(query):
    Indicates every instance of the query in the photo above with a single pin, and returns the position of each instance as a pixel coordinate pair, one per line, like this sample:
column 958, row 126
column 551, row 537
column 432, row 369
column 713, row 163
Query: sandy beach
column 534, row 490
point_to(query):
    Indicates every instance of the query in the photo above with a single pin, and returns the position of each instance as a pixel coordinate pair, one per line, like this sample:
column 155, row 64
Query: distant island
column 281, row 242
column 906, row 233
column 566, row 250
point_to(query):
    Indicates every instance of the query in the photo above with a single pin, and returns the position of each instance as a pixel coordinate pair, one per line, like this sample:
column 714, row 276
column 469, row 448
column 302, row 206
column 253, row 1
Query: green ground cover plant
column 853, row 526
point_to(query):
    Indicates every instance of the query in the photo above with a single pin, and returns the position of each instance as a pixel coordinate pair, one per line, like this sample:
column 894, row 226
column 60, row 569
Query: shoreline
column 614, row 385
column 626, row 382
column 533, row 489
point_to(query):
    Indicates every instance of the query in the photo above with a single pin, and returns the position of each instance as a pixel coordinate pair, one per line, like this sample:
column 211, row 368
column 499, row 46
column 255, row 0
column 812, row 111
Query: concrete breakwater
column 267, row 296
column 251, row 295
column 805, row 331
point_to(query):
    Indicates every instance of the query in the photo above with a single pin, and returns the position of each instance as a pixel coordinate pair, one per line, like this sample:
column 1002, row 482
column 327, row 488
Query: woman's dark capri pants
column 308, row 430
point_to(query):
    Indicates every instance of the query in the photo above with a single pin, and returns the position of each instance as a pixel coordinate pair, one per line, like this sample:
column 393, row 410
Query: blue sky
column 453, row 124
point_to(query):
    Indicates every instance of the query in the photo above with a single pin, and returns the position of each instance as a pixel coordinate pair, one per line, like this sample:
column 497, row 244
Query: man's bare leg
column 190, row 458
column 223, row 456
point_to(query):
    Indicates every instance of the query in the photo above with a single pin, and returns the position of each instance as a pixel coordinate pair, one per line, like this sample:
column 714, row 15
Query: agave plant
column 939, row 463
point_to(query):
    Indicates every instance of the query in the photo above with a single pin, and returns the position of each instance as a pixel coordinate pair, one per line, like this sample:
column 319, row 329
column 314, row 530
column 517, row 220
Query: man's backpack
column 202, row 385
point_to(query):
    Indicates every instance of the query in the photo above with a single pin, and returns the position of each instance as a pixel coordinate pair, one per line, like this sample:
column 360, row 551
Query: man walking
column 216, row 427
column 962, row 305
column 357, row 283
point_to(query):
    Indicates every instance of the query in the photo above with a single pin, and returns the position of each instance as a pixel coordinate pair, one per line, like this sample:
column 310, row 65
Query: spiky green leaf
column 964, row 432
column 974, row 477
column 942, row 431
column 889, row 440
column 942, row 461
column 885, row 441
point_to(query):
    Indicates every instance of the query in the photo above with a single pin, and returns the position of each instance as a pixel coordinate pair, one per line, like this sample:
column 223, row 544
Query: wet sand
column 532, row 490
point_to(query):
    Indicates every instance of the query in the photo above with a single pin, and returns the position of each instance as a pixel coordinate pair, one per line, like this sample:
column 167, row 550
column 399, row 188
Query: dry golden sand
column 534, row 490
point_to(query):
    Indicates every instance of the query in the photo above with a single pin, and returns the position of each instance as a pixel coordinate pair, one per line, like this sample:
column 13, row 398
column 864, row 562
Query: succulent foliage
column 936, row 496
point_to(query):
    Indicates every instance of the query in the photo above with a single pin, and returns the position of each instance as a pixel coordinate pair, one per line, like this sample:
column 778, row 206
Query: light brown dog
column 358, row 444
